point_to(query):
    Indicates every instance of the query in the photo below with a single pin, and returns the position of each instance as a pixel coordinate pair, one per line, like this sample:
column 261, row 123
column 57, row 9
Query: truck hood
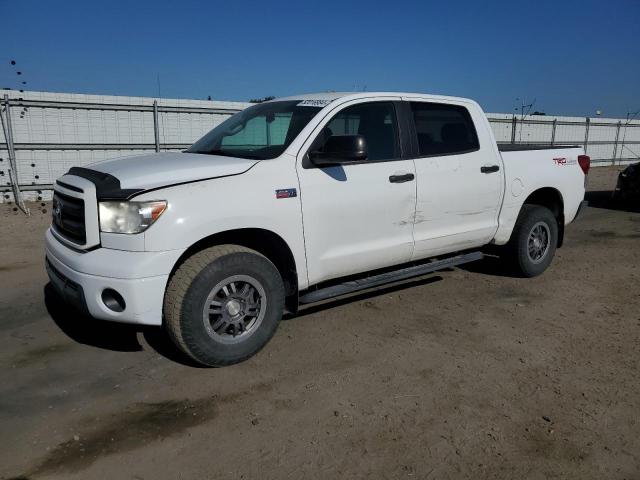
column 165, row 169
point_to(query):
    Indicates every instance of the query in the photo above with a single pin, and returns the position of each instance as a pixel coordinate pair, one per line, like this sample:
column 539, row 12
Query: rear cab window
column 443, row 129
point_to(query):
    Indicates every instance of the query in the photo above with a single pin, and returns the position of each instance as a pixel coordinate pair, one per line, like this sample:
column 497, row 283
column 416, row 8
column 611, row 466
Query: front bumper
column 70, row 291
column 139, row 277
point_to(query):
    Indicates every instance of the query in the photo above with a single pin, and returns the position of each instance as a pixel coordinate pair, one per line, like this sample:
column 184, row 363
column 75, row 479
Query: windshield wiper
column 210, row 152
column 227, row 153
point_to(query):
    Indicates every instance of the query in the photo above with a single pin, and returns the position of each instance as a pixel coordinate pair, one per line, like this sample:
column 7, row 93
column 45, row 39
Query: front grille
column 68, row 218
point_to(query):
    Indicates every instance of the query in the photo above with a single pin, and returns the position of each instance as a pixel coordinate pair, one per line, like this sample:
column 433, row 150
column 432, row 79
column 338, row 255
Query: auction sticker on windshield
column 314, row 103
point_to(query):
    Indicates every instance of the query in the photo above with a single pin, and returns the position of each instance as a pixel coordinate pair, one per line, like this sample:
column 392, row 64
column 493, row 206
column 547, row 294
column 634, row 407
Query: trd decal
column 286, row 193
column 563, row 161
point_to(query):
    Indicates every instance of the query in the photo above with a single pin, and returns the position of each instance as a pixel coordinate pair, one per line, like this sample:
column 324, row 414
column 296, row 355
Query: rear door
column 358, row 217
column 459, row 182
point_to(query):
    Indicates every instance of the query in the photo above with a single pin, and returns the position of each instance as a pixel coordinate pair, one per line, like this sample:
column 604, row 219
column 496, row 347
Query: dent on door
column 356, row 219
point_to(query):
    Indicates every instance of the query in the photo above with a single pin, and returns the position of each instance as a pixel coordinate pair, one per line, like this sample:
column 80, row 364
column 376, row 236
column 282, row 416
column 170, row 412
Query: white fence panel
column 54, row 131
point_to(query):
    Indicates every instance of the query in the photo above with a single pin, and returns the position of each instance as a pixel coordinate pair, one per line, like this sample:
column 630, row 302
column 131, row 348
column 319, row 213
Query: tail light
column 585, row 163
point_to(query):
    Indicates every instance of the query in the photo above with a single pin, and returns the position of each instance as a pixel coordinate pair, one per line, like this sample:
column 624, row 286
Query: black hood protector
column 107, row 186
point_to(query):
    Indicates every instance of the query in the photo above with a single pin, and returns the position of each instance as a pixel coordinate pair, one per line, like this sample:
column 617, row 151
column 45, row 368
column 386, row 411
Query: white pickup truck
column 297, row 200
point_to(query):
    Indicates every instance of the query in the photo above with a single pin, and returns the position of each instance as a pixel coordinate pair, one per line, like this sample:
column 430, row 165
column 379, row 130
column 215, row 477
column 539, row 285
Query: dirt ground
column 464, row 374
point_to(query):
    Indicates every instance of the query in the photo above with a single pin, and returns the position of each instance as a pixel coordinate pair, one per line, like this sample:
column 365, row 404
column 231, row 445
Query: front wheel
column 533, row 241
column 223, row 304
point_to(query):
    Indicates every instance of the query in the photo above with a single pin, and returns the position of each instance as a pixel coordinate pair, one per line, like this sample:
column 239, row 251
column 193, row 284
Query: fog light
column 113, row 300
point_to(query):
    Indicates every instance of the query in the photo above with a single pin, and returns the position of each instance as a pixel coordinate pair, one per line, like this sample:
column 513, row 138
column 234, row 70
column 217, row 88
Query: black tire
column 521, row 261
column 189, row 290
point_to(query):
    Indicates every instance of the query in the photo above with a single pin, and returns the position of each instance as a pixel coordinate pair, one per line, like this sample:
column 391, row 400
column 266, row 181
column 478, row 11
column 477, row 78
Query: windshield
column 262, row 131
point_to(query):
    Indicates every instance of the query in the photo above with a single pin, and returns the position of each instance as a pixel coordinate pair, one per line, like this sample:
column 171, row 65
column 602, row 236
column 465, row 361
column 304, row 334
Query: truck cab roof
column 331, row 96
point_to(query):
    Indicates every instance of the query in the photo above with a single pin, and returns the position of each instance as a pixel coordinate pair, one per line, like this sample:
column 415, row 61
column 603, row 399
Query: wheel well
column 269, row 244
column 552, row 199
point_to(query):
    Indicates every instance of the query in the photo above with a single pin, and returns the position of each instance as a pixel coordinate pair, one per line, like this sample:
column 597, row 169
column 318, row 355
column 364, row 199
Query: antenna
column 161, row 117
column 528, row 107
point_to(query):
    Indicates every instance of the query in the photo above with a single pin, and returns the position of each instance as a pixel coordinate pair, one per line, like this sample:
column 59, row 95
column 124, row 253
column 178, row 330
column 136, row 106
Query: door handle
column 489, row 168
column 407, row 177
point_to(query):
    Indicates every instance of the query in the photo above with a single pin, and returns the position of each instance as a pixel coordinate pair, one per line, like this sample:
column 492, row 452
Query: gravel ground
column 464, row 374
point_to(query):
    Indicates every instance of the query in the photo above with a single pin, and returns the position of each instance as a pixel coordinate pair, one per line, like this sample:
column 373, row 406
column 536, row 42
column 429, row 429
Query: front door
column 358, row 217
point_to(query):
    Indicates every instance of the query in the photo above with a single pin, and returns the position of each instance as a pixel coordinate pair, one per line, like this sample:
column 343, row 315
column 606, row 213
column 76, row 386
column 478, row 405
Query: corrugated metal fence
column 52, row 132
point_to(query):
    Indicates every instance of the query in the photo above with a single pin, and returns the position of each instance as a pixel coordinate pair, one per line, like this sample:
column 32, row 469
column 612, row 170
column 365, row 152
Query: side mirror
column 340, row 149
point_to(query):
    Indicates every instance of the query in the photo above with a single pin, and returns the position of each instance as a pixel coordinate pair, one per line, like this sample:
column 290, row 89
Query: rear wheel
column 533, row 241
column 223, row 304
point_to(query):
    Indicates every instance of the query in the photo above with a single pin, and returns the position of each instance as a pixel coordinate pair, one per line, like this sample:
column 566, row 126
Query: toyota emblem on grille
column 57, row 212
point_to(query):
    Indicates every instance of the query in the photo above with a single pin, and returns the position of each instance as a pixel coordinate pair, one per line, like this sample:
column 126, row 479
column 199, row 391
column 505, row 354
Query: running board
column 389, row 277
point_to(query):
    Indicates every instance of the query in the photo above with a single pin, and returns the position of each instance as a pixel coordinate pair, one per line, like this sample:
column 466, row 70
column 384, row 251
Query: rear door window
column 443, row 129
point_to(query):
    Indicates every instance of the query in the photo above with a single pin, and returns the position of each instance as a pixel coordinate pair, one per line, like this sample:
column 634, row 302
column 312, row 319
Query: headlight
column 129, row 217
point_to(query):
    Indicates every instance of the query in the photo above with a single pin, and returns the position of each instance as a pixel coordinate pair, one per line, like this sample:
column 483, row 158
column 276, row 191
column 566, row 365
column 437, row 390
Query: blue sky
column 573, row 57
